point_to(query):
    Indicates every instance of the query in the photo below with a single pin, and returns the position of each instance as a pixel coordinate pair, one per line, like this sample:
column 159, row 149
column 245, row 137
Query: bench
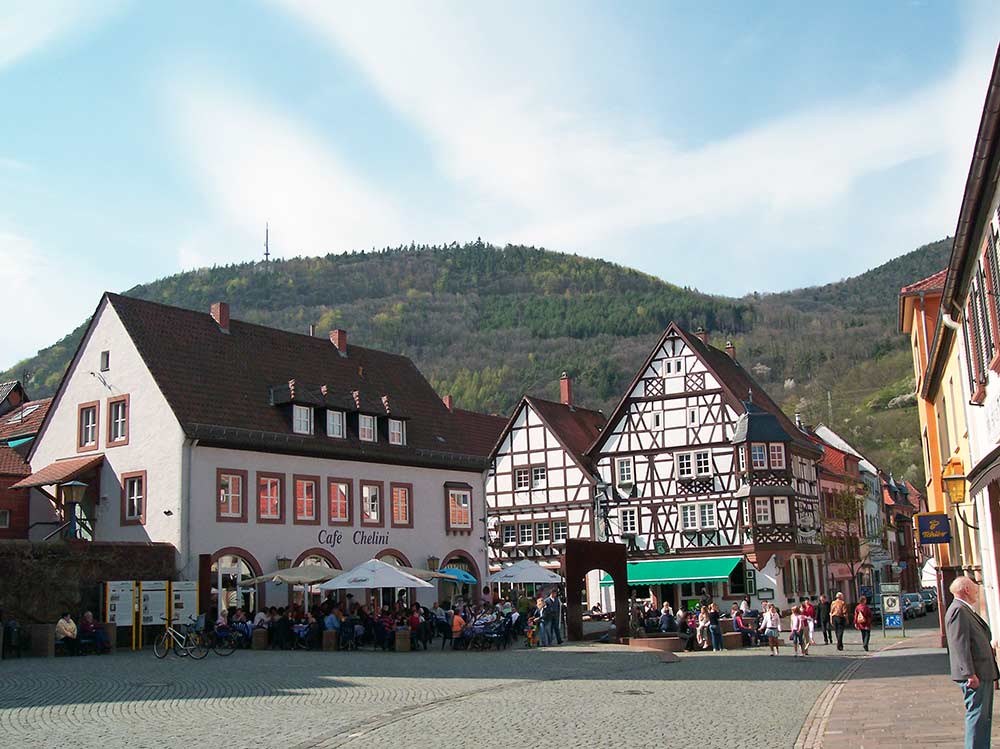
column 43, row 640
column 660, row 642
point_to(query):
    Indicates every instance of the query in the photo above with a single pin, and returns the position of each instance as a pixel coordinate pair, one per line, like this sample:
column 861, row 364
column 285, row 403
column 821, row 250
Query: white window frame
column 699, row 456
column 371, row 504
column 694, row 518
column 88, row 428
column 689, row 516
column 338, row 486
column 776, row 449
column 628, row 517
column 710, row 521
column 684, row 471
column 694, row 416
column 762, row 511
column 226, row 495
column 742, row 457
column 119, row 420
column 134, row 500
column 522, row 478
column 629, row 465
column 538, row 481
column 461, row 498
column 758, row 465
column 367, row 428
column 105, row 360
column 775, row 514
column 560, row 531
column 315, row 490
column 672, row 367
column 336, row 424
column 397, row 432
column 5, row 519
column 657, row 420
column 302, row 419
column 276, row 483
column 510, row 539
column 524, row 533
column 543, row 537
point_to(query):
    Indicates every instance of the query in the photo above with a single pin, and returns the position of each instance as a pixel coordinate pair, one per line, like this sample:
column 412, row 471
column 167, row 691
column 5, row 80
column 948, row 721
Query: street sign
column 890, row 604
column 866, row 591
column 932, row 528
column 890, row 588
column 893, row 621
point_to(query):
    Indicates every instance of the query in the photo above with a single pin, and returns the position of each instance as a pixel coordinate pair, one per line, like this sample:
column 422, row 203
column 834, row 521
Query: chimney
column 338, row 338
column 220, row 313
column 448, row 403
column 731, row 350
column 798, row 419
column 566, row 390
column 700, row 332
column 312, row 330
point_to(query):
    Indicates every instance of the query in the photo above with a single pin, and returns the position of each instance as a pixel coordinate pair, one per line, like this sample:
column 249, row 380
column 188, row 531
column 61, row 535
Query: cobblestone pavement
column 587, row 695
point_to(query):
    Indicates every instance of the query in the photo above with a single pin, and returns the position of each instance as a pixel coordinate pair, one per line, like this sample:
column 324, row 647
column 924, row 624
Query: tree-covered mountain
column 487, row 324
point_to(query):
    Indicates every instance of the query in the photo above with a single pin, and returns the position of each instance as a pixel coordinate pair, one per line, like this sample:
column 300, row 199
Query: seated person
column 66, row 633
column 457, row 627
column 667, row 623
column 90, row 630
column 684, row 631
column 749, row 634
column 416, row 624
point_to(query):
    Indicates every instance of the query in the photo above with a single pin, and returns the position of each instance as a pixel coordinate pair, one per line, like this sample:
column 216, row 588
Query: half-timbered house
column 539, row 484
column 674, row 491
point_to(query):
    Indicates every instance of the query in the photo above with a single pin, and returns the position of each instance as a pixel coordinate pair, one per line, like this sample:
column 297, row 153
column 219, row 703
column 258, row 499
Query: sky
column 730, row 147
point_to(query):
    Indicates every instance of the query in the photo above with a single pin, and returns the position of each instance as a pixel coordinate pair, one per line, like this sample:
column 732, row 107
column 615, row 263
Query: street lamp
column 283, row 562
column 432, row 563
column 953, row 478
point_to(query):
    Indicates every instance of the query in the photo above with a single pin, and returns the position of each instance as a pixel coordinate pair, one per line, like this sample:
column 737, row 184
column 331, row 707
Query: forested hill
column 487, row 324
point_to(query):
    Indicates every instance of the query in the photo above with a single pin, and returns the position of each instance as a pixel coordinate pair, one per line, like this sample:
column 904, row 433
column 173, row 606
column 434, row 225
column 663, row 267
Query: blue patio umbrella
column 462, row 575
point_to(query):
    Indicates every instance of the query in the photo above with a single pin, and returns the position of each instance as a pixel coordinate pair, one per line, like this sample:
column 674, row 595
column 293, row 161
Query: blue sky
column 732, row 147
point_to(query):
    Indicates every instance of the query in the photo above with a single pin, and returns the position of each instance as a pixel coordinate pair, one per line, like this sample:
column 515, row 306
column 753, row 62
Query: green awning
column 700, row 569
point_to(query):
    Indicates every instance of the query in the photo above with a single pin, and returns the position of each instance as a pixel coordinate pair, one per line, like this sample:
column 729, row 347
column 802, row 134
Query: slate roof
column 931, row 283
column 11, row 463
column 758, row 425
column 6, row 388
column 220, row 386
column 25, row 420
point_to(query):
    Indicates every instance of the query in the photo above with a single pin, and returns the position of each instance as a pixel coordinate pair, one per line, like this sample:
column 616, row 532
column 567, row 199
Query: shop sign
column 765, row 594
column 932, row 528
column 336, row 538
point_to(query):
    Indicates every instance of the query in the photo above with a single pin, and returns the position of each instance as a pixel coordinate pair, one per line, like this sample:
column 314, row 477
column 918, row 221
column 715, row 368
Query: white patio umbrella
column 928, row 575
column 525, row 571
column 306, row 574
column 374, row 574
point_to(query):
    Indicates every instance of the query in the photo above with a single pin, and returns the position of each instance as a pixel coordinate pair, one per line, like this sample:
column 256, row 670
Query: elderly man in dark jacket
column 973, row 664
column 823, row 614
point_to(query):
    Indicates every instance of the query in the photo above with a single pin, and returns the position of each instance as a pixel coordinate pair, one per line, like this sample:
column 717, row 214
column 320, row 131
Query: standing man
column 823, row 615
column 552, row 617
column 973, row 664
column 838, row 618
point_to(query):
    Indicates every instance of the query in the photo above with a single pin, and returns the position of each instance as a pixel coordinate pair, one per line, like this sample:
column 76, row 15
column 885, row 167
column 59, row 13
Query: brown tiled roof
column 480, row 431
column 219, row 384
column 12, row 464
column 931, row 283
column 576, row 427
column 60, row 471
column 24, row 420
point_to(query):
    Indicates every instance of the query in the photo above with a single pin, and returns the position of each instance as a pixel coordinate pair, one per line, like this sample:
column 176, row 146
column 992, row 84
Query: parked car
column 916, row 603
column 930, row 600
column 876, row 607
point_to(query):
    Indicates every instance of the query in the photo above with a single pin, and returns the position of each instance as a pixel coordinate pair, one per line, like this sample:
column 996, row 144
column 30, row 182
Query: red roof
column 576, row 427
column 25, row 420
column 12, row 464
column 931, row 283
column 60, row 471
column 220, row 385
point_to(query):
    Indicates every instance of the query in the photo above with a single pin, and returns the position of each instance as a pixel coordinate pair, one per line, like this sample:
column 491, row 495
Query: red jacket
column 861, row 611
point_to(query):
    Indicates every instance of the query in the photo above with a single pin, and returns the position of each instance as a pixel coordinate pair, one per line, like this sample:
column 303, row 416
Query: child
column 800, row 632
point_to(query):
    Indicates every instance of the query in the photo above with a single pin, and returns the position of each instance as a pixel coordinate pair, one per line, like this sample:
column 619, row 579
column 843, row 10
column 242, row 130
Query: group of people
column 70, row 636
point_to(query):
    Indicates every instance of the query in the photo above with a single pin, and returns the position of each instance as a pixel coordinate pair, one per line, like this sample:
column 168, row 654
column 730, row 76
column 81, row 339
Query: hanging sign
column 153, row 596
column 932, row 528
column 119, row 602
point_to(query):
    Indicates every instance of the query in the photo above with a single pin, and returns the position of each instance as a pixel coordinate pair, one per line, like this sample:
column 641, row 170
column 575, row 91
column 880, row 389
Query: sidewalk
column 899, row 697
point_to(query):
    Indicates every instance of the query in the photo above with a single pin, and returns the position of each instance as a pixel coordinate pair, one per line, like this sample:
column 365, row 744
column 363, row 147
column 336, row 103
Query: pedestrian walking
column 799, row 630
column 863, row 621
column 973, row 664
column 715, row 628
column 823, row 617
column 838, row 618
column 770, row 624
column 809, row 612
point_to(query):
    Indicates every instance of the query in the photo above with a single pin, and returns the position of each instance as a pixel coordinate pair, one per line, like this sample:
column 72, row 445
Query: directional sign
column 890, row 588
column 893, row 621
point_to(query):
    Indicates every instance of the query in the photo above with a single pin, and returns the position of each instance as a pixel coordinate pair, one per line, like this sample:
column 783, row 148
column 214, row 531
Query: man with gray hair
column 973, row 664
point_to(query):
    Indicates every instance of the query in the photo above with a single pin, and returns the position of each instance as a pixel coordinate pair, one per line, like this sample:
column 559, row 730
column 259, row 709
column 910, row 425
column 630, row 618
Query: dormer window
column 335, row 424
column 777, row 451
column 397, row 432
column 302, row 419
column 366, row 428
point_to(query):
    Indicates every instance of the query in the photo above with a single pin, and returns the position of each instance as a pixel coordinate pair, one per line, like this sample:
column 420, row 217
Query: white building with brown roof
column 244, row 446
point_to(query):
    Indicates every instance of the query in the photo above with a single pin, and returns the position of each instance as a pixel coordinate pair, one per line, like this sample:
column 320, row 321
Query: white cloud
column 256, row 165
column 570, row 178
column 27, row 26
column 48, row 296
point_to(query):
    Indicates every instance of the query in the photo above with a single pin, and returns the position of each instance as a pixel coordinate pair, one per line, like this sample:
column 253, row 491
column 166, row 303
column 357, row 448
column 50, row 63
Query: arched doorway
column 459, row 559
column 230, row 566
column 581, row 558
column 391, row 596
column 310, row 595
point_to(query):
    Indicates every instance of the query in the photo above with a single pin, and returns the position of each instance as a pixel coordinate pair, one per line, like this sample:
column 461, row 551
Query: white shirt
column 771, row 620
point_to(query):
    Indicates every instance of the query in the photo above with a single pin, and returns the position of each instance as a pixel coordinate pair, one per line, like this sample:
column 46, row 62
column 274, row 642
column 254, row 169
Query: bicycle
column 184, row 643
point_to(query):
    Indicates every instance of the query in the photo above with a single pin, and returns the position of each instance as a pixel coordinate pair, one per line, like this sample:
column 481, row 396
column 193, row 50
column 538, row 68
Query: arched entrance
column 582, row 557
column 390, row 596
column 460, row 559
column 309, row 595
column 230, row 566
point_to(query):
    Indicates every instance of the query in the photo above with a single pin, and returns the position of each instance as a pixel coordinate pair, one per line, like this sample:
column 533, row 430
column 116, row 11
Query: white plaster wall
column 266, row 542
column 155, row 437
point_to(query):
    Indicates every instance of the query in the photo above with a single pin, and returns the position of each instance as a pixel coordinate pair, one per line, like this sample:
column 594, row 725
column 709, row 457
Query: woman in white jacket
column 770, row 625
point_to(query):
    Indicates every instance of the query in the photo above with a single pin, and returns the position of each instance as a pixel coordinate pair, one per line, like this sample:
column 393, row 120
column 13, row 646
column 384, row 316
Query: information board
column 154, row 602
column 119, row 602
column 184, row 600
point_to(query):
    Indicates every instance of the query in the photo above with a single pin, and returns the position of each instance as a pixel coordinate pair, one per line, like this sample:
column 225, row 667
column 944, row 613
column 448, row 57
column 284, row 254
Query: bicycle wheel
column 160, row 645
column 224, row 645
column 196, row 647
